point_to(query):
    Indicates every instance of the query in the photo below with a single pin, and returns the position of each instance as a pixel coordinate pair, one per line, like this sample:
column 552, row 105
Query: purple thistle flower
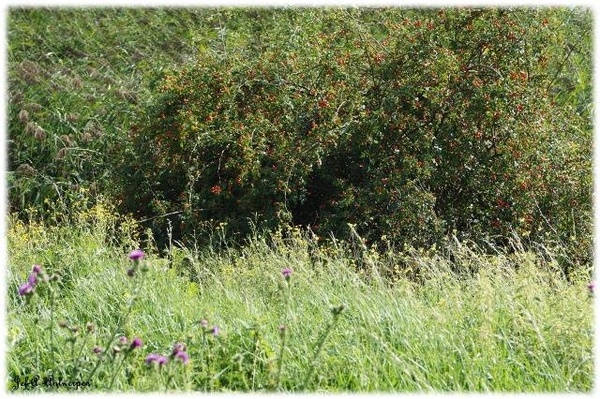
column 136, row 343
column 183, row 357
column 204, row 323
column 123, row 340
column 161, row 360
column 33, row 280
column 178, row 348
column 591, row 287
column 215, row 330
column 25, row 289
column 97, row 350
column 136, row 254
column 153, row 357
column 287, row 273
column 37, row 269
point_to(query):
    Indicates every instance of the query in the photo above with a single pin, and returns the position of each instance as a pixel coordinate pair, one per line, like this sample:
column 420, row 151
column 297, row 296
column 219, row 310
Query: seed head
column 40, row 134
column 26, row 169
column 24, row 115
column 35, row 107
column 30, row 127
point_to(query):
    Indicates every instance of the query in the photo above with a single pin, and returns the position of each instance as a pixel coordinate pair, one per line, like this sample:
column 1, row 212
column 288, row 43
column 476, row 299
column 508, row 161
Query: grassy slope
column 514, row 325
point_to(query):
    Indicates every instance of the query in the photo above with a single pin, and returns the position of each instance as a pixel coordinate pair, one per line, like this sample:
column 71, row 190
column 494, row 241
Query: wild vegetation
column 300, row 190
column 285, row 313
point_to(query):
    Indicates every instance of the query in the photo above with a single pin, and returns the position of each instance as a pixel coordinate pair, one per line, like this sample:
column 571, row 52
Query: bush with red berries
column 408, row 123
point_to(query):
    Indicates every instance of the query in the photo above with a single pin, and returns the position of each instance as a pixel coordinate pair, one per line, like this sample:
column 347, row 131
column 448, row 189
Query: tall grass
column 450, row 319
column 77, row 80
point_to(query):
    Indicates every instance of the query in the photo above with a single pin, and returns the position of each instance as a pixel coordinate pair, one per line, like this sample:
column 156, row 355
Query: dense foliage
column 409, row 124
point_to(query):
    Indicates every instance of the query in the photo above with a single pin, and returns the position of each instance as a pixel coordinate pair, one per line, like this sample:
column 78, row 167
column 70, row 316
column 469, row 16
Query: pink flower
column 33, row 279
column 183, row 357
column 162, row 360
column 136, row 255
column 25, row 289
column 153, row 357
column 178, row 348
column 136, row 343
column 287, row 273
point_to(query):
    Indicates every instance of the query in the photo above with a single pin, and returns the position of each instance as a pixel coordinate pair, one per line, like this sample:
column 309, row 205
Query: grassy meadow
column 287, row 309
column 469, row 322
